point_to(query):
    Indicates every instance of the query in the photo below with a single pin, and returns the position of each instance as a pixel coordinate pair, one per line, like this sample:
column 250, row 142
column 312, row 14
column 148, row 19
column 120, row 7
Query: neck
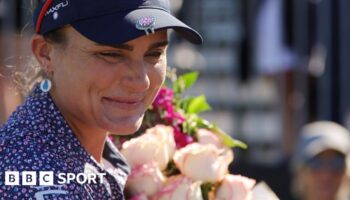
column 92, row 140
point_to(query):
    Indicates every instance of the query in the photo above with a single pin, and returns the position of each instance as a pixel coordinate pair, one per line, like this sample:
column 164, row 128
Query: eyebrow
column 131, row 48
column 159, row 44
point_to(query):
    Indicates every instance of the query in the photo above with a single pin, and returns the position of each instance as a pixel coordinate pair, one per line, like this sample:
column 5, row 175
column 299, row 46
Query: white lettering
column 91, row 178
column 11, row 178
column 29, row 178
column 83, row 176
column 62, row 178
column 57, row 7
column 46, row 178
column 70, row 177
column 101, row 175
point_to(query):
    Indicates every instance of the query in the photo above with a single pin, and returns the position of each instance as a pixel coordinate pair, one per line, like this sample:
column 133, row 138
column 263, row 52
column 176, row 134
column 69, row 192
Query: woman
column 104, row 62
column 320, row 162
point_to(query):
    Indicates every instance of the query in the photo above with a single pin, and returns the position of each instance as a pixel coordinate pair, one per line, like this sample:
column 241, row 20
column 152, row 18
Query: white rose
column 180, row 187
column 205, row 163
column 145, row 179
column 139, row 197
column 235, row 187
column 205, row 136
column 156, row 145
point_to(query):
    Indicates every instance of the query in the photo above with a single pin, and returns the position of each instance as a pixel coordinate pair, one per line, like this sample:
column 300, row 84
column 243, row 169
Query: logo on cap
column 146, row 24
column 57, row 7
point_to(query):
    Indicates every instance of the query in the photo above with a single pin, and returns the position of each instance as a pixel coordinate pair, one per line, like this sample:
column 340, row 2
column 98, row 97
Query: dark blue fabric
column 108, row 21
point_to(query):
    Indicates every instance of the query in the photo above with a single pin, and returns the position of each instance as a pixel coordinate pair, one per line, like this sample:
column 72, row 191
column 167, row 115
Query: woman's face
column 107, row 88
column 323, row 176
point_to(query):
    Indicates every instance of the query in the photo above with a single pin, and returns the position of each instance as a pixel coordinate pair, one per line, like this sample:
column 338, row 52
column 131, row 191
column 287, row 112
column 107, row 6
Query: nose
column 136, row 79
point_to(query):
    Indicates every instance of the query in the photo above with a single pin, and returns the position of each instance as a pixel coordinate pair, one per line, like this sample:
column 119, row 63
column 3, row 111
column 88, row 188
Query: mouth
column 123, row 103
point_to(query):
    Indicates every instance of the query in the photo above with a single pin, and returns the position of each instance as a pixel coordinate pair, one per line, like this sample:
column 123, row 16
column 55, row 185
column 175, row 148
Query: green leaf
column 198, row 104
column 185, row 81
column 192, row 121
column 228, row 140
column 189, row 79
column 185, row 103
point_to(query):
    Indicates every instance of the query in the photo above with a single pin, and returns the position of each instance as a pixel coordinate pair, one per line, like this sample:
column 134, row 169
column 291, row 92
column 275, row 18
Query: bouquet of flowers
column 178, row 155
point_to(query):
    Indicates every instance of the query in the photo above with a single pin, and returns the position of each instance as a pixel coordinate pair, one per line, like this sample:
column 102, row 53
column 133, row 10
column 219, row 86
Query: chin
column 126, row 128
column 126, row 131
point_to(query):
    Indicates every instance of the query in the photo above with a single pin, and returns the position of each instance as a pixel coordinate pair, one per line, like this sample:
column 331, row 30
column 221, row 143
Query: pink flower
column 235, row 187
column 157, row 145
column 204, row 163
column 172, row 117
column 164, row 101
column 205, row 136
column 164, row 98
column 180, row 188
column 181, row 139
column 139, row 197
column 145, row 179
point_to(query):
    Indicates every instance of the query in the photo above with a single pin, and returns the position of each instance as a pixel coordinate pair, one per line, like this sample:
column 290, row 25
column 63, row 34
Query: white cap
column 319, row 136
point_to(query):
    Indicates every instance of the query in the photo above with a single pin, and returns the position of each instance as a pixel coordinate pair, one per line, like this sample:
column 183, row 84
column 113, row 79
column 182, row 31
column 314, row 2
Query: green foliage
column 194, row 122
column 197, row 105
column 192, row 106
column 190, row 126
column 184, row 82
column 226, row 138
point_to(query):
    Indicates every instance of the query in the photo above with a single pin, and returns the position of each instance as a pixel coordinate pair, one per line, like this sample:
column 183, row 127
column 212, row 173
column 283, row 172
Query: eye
column 110, row 56
column 154, row 57
column 155, row 54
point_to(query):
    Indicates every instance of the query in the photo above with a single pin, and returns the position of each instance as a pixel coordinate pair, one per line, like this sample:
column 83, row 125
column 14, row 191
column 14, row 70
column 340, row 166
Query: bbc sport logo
column 47, row 178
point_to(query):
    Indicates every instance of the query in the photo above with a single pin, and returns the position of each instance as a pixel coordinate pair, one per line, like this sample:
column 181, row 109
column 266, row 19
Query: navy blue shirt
column 37, row 138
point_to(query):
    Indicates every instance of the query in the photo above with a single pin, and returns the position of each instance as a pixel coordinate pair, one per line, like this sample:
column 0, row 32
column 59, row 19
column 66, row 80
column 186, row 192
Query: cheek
column 156, row 76
column 308, row 178
column 79, row 81
column 86, row 72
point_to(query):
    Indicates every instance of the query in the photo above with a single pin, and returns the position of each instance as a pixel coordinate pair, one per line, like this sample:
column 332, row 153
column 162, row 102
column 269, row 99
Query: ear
column 41, row 49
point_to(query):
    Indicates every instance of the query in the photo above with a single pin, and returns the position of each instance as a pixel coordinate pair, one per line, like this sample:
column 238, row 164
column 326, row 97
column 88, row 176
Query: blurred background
column 267, row 67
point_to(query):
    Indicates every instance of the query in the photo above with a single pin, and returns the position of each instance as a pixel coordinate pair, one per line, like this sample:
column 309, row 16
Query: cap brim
column 321, row 146
column 120, row 27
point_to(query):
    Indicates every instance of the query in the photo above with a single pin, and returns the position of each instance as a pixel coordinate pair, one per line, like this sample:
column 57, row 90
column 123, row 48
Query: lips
column 123, row 103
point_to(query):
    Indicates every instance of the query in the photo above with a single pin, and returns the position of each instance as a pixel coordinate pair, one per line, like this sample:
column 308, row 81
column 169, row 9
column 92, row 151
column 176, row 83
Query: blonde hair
column 26, row 77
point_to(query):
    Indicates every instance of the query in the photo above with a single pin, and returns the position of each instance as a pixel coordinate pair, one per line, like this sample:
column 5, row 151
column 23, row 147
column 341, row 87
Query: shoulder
column 22, row 153
column 22, row 148
column 25, row 142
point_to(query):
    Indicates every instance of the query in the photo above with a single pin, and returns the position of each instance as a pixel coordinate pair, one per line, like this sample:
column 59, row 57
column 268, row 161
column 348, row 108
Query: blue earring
column 45, row 85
